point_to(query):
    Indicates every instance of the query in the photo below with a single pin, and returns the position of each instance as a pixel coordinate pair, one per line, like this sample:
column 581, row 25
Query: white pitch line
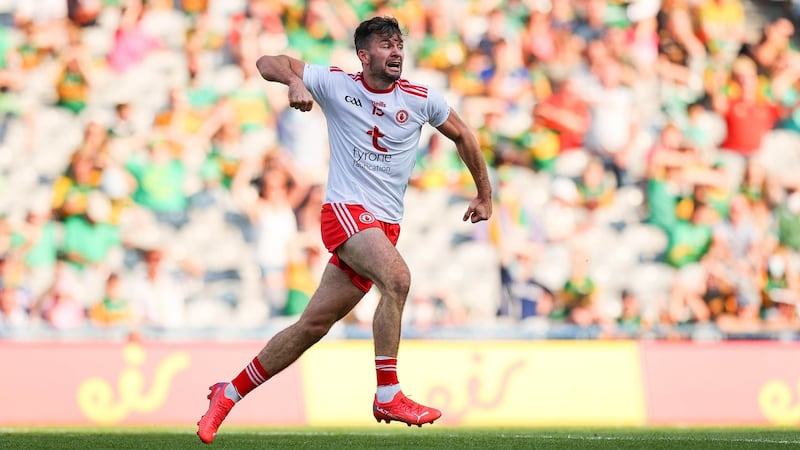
column 553, row 437
column 660, row 438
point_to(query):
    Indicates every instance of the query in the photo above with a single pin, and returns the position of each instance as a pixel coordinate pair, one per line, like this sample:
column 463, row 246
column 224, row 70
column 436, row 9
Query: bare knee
column 315, row 327
column 397, row 285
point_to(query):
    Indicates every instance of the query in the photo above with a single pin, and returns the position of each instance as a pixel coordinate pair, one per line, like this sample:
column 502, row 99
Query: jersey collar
column 377, row 91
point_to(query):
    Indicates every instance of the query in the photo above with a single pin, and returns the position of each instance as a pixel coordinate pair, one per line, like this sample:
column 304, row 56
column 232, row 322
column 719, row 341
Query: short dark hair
column 380, row 26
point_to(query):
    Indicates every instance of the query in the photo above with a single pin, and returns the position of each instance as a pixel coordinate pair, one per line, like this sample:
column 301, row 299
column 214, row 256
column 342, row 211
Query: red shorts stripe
column 345, row 218
column 339, row 222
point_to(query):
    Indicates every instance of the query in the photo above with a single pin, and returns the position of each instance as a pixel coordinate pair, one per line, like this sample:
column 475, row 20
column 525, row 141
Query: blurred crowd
column 644, row 157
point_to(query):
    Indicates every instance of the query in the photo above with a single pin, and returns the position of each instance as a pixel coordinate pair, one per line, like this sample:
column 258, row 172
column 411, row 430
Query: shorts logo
column 401, row 116
column 366, row 217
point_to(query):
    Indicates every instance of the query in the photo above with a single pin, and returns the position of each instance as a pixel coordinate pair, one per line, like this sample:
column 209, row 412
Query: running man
column 375, row 118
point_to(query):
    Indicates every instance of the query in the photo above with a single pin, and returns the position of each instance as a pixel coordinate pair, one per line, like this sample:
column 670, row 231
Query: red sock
column 250, row 378
column 386, row 368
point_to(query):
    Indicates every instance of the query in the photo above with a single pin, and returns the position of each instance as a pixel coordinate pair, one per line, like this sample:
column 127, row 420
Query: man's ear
column 363, row 56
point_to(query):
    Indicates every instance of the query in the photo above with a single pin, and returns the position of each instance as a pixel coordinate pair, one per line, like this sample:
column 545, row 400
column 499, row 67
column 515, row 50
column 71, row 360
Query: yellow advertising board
column 479, row 383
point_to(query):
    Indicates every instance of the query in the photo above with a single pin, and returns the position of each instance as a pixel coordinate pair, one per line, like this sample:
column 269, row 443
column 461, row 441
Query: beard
column 388, row 77
column 384, row 75
column 391, row 77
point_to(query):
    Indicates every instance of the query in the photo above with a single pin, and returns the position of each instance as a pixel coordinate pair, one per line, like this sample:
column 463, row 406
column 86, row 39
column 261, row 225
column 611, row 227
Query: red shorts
column 339, row 222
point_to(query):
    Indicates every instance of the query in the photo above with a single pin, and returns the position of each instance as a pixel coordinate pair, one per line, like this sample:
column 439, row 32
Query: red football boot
column 218, row 408
column 403, row 409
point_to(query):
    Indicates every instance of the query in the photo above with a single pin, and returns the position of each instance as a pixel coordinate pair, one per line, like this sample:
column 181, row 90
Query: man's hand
column 479, row 209
column 299, row 97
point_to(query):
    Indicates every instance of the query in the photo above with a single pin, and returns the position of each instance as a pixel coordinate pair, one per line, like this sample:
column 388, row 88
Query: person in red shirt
column 748, row 111
column 567, row 114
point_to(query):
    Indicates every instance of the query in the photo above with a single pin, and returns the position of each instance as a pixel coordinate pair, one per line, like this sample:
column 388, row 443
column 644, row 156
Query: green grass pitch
column 401, row 437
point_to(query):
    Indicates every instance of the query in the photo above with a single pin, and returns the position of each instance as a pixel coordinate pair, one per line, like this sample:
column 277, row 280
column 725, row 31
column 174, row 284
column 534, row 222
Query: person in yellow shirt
column 113, row 309
column 722, row 26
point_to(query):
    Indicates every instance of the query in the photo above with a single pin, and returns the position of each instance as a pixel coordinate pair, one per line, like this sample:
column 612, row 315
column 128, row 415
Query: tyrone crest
column 401, row 116
column 366, row 217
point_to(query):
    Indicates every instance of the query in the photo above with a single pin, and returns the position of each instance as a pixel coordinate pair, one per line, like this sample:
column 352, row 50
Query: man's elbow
column 267, row 66
column 263, row 65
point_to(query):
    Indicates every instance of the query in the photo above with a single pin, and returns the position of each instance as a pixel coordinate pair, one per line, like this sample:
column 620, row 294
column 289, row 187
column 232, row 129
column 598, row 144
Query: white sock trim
column 231, row 393
column 385, row 394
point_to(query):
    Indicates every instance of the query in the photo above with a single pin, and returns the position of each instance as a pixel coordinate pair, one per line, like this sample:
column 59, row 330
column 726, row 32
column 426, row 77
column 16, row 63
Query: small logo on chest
column 353, row 100
column 401, row 116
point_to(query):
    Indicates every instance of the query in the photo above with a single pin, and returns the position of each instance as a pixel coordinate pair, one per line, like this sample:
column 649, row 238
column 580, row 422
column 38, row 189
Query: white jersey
column 374, row 136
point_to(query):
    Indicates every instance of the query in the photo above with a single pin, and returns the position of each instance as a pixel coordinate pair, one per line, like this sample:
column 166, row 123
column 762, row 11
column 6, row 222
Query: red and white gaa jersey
column 374, row 136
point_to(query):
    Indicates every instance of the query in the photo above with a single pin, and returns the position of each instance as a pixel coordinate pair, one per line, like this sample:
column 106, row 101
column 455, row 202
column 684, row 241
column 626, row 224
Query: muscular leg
column 372, row 255
column 334, row 298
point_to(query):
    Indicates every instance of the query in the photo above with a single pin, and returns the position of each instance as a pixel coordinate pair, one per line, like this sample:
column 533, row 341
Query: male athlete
column 374, row 122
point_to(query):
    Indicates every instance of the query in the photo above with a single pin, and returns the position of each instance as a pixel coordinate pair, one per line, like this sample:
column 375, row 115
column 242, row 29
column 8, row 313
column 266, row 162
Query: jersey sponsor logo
column 401, row 116
column 366, row 217
column 353, row 100
column 371, row 161
column 375, row 132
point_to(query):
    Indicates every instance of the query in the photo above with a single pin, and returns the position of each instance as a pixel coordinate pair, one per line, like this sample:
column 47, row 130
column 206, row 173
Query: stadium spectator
column 308, row 150
column 749, row 112
column 538, row 145
column 788, row 221
column 62, row 306
column 497, row 30
column 158, row 292
column 785, row 317
column 731, row 285
column 441, row 46
column 509, row 80
column 437, row 167
column 562, row 217
column 465, row 78
column 228, row 150
column 667, row 181
column 721, row 26
column 131, row 41
column 18, row 297
column 631, row 322
column 566, row 113
column 614, row 131
column 281, row 188
column 114, row 308
column 595, row 188
column 538, row 38
column 84, row 13
column 642, row 37
column 429, row 311
column 160, row 180
column 36, row 241
column 91, row 244
column 71, row 191
column 515, row 226
column 522, row 296
column 49, row 20
column 303, row 270
column 187, row 120
column 591, row 24
column 688, row 242
column 576, row 300
column 773, row 53
column 13, row 314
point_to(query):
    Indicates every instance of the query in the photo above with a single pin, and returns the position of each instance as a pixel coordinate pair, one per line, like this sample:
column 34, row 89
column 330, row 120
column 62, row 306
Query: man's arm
column 289, row 71
column 480, row 208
